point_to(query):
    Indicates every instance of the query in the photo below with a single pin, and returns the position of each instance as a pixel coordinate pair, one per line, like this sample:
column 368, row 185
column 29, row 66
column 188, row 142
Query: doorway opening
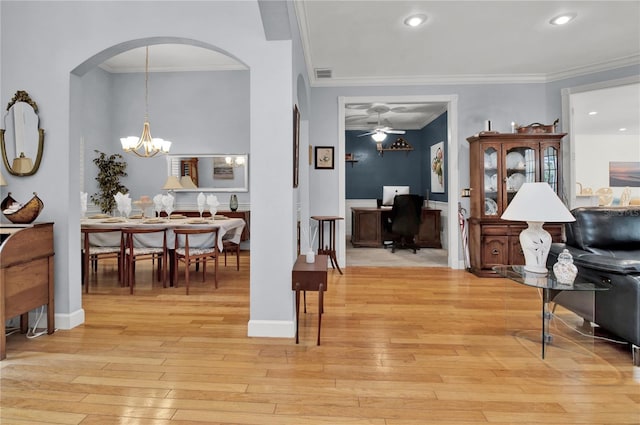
column 448, row 103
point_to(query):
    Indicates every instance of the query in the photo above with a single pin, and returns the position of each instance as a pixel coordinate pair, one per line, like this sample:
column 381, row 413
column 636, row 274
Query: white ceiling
column 366, row 43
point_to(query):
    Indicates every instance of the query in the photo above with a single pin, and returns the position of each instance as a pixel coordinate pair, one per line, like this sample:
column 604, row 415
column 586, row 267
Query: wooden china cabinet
column 499, row 165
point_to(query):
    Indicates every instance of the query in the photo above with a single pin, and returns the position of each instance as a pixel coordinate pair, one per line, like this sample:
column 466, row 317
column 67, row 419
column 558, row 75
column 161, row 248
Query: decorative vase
column 564, row 269
column 233, row 203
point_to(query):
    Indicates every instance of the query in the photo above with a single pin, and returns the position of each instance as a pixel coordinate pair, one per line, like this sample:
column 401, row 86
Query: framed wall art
column 296, row 145
column 324, row 157
column 624, row 173
column 437, row 167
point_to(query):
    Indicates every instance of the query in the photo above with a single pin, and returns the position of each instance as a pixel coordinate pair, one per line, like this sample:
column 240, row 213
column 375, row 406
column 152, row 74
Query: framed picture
column 222, row 170
column 296, row 145
column 624, row 173
column 324, row 157
column 437, row 168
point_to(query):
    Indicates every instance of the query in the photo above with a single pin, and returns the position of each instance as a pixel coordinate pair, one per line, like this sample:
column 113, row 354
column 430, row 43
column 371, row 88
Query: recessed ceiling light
column 562, row 19
column 415, row 20
column 623, row 129
column 593, row 113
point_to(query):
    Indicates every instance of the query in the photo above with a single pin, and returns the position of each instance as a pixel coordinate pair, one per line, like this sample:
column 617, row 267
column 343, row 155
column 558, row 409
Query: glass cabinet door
column 549, row 166
column 519, row 167
column 491, row 186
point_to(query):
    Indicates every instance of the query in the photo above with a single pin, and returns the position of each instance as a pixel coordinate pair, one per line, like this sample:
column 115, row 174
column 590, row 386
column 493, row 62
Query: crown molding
column 138, row 69
column 596, row 67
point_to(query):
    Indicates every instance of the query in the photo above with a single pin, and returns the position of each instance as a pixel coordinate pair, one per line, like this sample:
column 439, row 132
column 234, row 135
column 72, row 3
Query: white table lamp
column 536, row 203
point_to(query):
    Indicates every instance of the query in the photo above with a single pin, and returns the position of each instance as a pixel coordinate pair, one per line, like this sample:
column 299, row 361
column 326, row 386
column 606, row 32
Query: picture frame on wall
column 324, row 157
column 437, row 167
column 296, row 145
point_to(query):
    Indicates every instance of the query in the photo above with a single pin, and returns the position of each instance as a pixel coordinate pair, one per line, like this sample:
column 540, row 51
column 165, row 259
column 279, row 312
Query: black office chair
column 405, row 221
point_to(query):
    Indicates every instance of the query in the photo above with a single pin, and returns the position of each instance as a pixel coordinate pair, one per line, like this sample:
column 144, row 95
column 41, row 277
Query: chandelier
column 145, row 146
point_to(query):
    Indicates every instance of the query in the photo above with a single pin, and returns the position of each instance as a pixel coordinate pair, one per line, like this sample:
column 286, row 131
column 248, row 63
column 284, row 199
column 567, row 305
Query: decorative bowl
column 27, row 213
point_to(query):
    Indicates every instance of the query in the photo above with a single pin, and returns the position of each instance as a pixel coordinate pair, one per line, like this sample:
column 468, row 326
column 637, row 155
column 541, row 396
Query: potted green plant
column 110, row 169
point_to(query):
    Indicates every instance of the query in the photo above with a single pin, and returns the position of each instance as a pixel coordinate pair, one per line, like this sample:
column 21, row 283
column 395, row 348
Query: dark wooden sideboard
column 368, row 229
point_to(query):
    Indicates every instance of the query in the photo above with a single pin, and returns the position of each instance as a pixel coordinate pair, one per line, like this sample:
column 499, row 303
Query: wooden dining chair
column 91, row 254
column 190, row 250
column 231, row 247
column 135, row 249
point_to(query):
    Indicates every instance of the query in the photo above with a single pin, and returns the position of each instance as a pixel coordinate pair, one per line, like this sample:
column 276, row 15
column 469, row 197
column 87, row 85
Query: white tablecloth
column 230, row 228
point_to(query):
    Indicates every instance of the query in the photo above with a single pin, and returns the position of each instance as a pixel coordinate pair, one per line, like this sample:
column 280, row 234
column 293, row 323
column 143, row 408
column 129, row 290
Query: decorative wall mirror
column 213, row 173
column 22, row 139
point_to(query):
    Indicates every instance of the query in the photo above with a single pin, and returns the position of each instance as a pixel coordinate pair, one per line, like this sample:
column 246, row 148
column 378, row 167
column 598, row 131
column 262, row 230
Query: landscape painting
column 622, row 174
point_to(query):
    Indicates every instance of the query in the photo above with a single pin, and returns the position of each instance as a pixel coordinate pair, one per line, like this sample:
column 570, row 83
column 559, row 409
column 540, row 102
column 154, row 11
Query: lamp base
column 536, row 269
column 535, row 243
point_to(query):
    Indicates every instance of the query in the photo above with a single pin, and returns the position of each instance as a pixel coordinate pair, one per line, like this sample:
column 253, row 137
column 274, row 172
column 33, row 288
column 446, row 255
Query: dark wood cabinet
column 26, row 275
column 189, row 167
column 368, row 229
column 499, row 165
column 429, row 234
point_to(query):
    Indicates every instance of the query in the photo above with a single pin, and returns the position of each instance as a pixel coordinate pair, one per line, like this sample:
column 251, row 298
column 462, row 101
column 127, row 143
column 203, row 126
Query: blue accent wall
column 364, row 179
column 434, row 133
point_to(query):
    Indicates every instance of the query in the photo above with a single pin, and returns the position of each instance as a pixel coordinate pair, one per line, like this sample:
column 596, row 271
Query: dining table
column 228, row 229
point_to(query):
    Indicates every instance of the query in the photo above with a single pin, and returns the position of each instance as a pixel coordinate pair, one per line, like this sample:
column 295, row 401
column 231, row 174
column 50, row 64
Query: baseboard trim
column 271, row 328
column 71, row 320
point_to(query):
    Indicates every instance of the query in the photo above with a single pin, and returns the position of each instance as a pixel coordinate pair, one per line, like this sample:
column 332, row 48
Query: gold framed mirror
column 22, row 138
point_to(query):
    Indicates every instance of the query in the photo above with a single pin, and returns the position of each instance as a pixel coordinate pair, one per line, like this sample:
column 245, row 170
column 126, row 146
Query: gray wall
column 199, row 112
column 65, row 40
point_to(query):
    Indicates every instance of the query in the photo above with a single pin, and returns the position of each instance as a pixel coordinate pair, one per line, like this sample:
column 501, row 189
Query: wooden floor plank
column 403, row 346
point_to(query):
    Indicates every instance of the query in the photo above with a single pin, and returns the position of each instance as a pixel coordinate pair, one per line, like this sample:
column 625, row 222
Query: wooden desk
column 26, row 275
column 329, row 249
column 309, row 277
column 368, row 230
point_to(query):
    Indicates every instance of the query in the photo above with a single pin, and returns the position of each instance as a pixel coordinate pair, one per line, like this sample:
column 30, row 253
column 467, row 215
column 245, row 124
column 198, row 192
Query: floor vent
column 323, row 73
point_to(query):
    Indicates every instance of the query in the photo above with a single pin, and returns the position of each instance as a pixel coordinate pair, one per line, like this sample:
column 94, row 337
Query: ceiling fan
column 379, row 133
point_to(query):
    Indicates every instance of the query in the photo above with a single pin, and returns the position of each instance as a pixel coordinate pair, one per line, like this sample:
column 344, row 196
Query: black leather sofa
column 605, row 244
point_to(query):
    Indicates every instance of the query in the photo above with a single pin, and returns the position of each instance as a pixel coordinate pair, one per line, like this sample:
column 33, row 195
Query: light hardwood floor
column 403, row 346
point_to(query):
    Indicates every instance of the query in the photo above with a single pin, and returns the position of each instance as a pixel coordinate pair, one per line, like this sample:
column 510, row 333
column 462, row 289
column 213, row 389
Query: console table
column 550, row 290
column 309, row 277
column 26, row 275
column 368, row 227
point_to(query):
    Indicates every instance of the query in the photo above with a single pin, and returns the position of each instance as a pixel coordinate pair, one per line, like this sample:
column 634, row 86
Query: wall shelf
column 352, row 161
column 383, row 150
column 399, row 145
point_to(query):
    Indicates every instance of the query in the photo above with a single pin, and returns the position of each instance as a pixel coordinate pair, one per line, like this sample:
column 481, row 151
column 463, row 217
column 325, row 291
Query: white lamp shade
column 537, row 202
column 187, row 182
column 22, row 165
column 172, row 183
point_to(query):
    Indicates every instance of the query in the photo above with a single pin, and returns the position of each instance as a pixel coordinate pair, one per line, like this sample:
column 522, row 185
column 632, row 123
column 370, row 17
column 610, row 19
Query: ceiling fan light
column 415, row 20
column 378, row 136
column 562, row 19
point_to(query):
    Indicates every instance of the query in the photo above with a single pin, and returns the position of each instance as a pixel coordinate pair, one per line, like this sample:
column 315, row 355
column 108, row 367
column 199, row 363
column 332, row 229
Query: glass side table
column 550, row 290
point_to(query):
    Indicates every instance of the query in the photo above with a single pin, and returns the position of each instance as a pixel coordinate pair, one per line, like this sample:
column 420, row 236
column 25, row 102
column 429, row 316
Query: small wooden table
column 330, row 249
column 309, row 277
